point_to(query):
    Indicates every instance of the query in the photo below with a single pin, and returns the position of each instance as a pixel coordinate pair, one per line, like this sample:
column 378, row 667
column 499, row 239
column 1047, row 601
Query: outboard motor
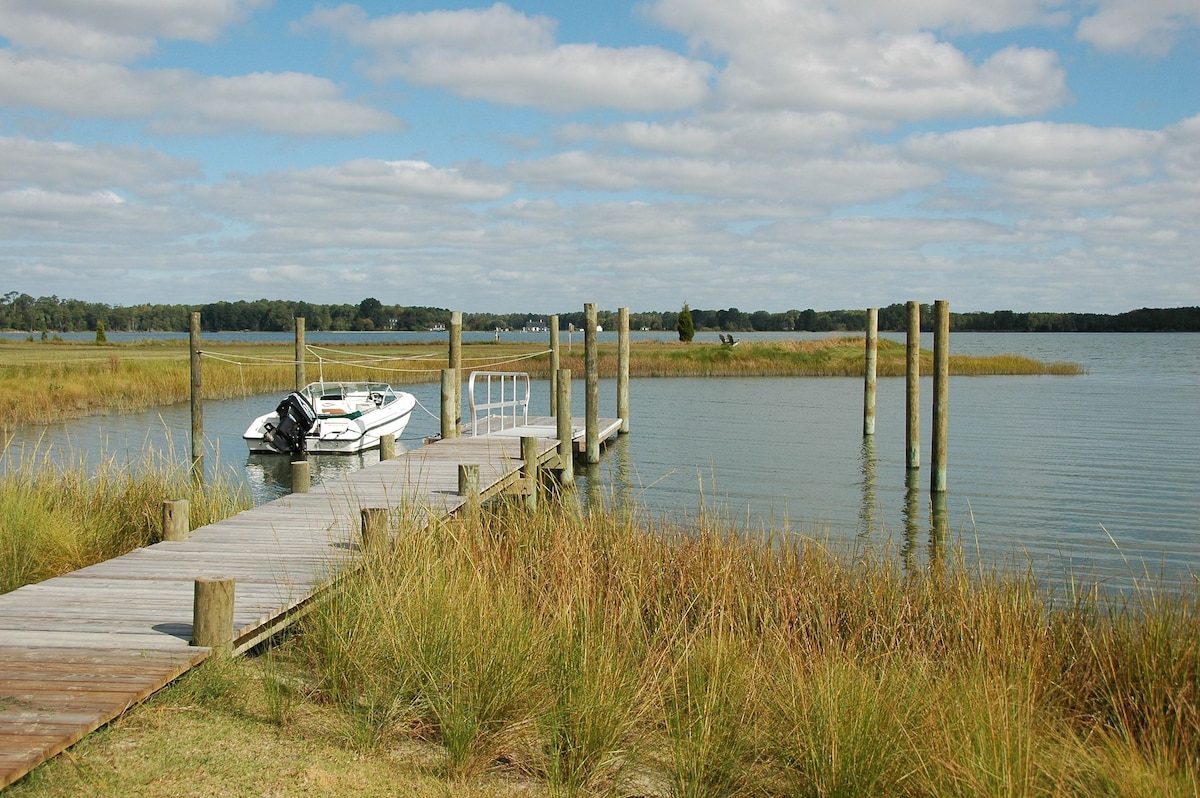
column 296, row 418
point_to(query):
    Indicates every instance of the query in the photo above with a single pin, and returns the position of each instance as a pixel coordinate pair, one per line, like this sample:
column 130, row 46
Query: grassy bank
column 44, row 382
column 567, row 654
column 56, row 519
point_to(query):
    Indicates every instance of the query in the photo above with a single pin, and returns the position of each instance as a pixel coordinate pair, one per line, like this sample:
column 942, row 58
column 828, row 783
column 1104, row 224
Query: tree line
column 23, row 312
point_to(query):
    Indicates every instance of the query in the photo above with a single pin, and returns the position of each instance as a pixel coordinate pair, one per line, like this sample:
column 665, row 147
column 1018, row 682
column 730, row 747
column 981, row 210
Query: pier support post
column 941, row 394
column 591, row 397
column 565, row 432
column 912, row 393
column 197, row 402
column 555, row 364
column 869, row 371
column 449, row 414
column 387, row 447
column 468, row 485
column 623, row 368
column 300, row 381
column 212, row 614
column 455, row 363
column 529, row 471
column 175, row 520
column 301, row 476
column 374, row 531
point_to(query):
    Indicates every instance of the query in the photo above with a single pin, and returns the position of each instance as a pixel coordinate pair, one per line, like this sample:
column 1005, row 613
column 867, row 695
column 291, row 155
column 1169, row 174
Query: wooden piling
column 455, row 362
column 623, row 369
column 387, row 447
column 468, row 488
column 529, row 471
column 197, row 467
column 374, row 529
column 175, row 520
column 870, row 370
column 912, row 394
column 941, row 393
column 566, row 446
column 591, row 393
column 449, row 414
column 212, row 613
column 555, row 364
column 300, row 351
column 301, row 476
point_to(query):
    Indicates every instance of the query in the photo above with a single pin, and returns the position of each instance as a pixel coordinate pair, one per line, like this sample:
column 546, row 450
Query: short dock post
column 456, row 364
column 374, row 530
column 468, row 484
column 592, row 385
column 175, row 522
column 941, row 393
column 387, row 447
column 300, row 382
column 623, row 369
column 301, row 477
column 566, row 444
column 197, row 402
column 449, row 426
column 529, row 471
column 869, row 371
column 212, row 614
column 555, row 364
column 912, row 393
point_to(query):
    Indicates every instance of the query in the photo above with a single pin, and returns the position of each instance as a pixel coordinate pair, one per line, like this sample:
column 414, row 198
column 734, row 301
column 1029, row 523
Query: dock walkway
column 78, row 650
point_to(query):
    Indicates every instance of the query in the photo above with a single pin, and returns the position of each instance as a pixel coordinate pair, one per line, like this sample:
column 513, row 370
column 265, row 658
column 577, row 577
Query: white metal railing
column 504, row 391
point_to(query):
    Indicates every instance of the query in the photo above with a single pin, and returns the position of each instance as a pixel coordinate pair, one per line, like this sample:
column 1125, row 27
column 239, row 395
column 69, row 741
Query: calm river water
column 1095, row 475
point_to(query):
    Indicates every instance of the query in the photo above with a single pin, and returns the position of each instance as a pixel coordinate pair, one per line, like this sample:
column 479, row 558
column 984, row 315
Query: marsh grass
column 55, row 518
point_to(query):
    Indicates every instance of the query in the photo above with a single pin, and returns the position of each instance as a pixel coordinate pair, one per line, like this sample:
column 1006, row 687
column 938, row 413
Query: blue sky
column 760, row 154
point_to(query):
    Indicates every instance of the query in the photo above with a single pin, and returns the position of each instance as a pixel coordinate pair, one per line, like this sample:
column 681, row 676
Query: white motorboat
column 331, row 417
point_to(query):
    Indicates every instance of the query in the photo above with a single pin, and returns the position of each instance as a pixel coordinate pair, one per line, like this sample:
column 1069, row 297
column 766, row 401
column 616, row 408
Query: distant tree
column 101, row 338
column 684, row 326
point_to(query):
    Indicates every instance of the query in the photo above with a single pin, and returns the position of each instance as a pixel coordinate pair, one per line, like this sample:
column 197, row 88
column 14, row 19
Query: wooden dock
column 78, row 650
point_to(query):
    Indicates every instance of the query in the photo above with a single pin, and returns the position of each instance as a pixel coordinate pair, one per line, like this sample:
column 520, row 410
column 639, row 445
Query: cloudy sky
column 535, row 155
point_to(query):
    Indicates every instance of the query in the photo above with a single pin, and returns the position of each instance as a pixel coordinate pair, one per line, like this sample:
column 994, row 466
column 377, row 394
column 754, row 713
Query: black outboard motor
column 296, row 418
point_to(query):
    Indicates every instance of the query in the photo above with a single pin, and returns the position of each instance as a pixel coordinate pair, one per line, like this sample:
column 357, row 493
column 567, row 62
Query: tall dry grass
column 608, row 655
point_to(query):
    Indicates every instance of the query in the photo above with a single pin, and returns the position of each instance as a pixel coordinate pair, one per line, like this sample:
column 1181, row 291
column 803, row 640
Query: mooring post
column 374, row 530
column 301, row 476
column 212, row 613
column 387, row 447
column 565, row 431
column 197, row 402
column 941, row 393
column 175, row 522
column 623, row 369
column 912, row 393
column 591, row 394
column 300, row 381
column 869, row 371
column 555, row 364
column 455, row 362
column 449, row 426
column 530, row 471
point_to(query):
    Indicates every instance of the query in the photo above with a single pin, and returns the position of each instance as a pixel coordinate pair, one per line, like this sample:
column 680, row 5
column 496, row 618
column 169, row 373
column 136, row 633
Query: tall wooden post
column 300, row 381
column 555, row 364
column 456, row 364
column 912, row 394
column 591, row 395
column 449, row 412
column 941, row 393
column 869, row 371
column 197, row 402
column 212, row 614
column 623, row 368
column 566, row 444
column 529, row 471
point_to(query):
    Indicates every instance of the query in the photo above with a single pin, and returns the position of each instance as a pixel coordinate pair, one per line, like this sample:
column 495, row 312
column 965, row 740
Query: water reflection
column 939, row 523
column 912, row 519
column 867, row 516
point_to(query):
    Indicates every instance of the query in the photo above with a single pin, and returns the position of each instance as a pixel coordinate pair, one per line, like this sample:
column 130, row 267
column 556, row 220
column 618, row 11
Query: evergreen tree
column 687, row 330
column 101, row 338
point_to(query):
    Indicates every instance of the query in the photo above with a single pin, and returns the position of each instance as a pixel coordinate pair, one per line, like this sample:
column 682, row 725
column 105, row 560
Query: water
column 1095, row 474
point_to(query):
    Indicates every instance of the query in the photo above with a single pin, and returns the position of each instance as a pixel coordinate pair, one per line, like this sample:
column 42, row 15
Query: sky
column 1031, row 155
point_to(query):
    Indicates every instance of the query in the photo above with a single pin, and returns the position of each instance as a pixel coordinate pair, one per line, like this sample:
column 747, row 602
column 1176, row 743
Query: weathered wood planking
column 78, row 650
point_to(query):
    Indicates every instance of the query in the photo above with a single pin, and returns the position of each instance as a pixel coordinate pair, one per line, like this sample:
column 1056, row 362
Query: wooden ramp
column 78, row 650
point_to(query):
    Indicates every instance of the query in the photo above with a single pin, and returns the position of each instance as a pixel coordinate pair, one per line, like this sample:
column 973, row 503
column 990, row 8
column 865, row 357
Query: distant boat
column 438, row 328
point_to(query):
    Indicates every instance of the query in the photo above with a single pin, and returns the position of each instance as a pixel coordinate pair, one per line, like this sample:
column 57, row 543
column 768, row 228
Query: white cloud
column 181, row 101
column 115, row 30
column 1151, row 26
column 503, row 56
column 74, row 168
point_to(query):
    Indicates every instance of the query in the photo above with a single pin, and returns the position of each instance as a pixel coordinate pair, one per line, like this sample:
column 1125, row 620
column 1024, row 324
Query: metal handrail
column 512, row 401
